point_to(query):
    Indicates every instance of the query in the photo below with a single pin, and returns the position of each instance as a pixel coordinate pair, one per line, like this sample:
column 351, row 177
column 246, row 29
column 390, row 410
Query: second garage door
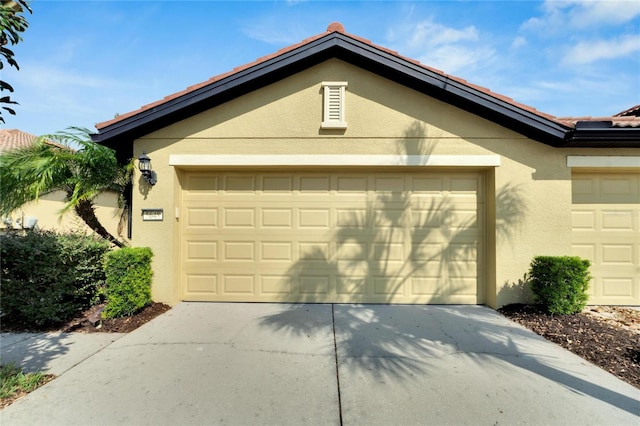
column 606, row 230
column 341, row 237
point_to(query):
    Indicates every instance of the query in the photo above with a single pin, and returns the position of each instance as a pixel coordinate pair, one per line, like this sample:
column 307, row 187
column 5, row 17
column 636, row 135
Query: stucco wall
column 48, row 208
column 530, row 213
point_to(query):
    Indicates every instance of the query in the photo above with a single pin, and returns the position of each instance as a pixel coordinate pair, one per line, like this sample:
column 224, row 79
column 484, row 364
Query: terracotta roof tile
column 633, row 111
column 333, row 27
column 14, row 139
column 616, row 120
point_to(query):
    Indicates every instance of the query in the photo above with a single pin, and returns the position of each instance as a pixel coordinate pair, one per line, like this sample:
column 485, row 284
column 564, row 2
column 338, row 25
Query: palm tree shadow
column 377, row 253
column 441, row 252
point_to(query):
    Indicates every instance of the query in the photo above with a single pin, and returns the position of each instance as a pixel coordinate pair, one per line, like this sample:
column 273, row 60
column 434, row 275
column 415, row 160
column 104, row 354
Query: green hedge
column 47, row 278
column 560, row 283
column 128, row 281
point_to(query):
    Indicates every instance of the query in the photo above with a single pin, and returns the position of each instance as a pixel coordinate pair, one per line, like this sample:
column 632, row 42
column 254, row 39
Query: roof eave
column 613, row 137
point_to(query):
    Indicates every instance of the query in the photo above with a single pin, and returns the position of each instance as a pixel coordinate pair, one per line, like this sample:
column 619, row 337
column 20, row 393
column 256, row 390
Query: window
column 334, row 109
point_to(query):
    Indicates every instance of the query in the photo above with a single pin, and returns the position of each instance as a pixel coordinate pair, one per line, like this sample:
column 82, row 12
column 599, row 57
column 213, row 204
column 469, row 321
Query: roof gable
column 336, row 43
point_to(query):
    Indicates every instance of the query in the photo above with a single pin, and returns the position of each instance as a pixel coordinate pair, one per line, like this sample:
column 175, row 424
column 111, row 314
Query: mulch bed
column 611, row 347
column 89, row 321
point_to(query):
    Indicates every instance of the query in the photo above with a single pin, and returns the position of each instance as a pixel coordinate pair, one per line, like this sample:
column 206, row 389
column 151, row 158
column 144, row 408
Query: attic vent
column 334, row 109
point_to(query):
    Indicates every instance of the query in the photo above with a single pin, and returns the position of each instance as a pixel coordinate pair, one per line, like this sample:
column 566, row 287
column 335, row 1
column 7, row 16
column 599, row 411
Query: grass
column 14, row 383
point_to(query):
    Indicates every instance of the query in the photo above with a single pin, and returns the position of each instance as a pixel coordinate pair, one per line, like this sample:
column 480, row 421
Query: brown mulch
column 116, row 325
column 89, row 321
column 606, row 336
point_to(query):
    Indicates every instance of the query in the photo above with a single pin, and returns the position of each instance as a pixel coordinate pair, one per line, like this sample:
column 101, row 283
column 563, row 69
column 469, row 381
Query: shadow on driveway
column 430, row 349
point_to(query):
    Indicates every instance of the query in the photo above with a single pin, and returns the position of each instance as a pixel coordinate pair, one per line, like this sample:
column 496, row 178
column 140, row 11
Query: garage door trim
column 603, row 161
column 183, row 160
column 480, row 290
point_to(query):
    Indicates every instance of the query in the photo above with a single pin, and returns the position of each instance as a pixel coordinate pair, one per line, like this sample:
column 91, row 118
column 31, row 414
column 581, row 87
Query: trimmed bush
column 560, row 283
column 47, row 278
column 128, row 281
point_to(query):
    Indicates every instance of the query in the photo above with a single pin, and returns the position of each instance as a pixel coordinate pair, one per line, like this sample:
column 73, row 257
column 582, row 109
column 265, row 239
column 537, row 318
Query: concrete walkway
column 213, row 363
column 53, row 353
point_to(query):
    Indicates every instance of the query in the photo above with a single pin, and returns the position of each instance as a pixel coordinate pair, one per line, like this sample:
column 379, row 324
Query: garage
column 336, row 170
column 332, row 236
column 606, row 230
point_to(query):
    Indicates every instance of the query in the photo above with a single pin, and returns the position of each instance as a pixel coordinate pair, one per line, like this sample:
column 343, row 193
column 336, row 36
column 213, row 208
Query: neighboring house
column 45, row 213
column 336, row 170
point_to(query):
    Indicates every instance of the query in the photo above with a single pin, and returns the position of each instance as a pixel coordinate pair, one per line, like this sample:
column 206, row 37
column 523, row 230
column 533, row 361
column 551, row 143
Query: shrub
column 560, row 283
column 47, row 277
column 128, row 281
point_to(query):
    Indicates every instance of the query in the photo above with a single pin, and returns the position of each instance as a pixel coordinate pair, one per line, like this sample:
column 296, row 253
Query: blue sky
column 83, row 62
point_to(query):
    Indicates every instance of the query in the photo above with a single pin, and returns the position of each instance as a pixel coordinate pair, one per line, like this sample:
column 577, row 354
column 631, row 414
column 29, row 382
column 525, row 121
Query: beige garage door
column 606, row 230
column 332, row 237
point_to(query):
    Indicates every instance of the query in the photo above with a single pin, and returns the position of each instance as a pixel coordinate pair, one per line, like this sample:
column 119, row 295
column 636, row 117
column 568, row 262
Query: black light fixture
column 144, row 164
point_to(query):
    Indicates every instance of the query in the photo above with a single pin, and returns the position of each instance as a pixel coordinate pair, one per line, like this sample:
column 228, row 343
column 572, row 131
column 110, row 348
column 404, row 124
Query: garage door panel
column 202, row 250
column 276, row 251
column 241, row 284
column 617, row 287
column 277, row 218
column 344, row 237
column 241, row 183
column 617, row 220
column 313, row 218
column 617, row 254
column 606, row 231
column 437, row 287
column 198, row 217
column 239, row 217
column 277, row 184
column 202, row 284
column 277, row 285
column 233, row 251
column 200, row 185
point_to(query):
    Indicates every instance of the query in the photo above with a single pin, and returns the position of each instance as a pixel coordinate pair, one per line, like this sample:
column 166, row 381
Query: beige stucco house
column 45, row 213
column 336, row 170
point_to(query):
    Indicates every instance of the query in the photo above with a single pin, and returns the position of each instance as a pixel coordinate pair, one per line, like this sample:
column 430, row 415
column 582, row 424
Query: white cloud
column 58, row 95
column 269, row 30
column 47, row 77
column 443, row 47
column 434, row 34
column 518, row 42
column 576, row 95
column 590, row 51
column 559, row 15
column 457, row 59
column 597, row 13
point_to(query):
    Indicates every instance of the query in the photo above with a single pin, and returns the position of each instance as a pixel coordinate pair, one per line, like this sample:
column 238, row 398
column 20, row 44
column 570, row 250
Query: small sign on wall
column 152, row 214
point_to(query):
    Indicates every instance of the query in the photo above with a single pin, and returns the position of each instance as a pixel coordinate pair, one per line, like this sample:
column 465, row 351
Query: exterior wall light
column 144, row 164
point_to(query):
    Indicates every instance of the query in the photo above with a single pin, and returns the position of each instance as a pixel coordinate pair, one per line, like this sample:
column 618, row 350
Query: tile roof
column 633, row 111
column 15, row 139
column 617, row 131
column 334, row 27
column 616, row 120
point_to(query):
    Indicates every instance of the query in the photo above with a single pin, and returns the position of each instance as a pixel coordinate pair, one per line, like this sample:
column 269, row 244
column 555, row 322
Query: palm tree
column 27, row 173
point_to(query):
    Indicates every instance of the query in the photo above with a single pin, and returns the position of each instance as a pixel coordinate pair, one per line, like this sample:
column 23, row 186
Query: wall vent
column 334, row 105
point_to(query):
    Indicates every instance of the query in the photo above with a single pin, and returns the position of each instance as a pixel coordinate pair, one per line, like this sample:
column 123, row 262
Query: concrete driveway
column 223, row 363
